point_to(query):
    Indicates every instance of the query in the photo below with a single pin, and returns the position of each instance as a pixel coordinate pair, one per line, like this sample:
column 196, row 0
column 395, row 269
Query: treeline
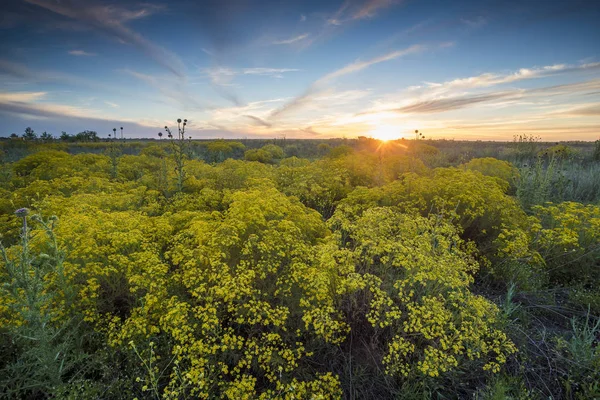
column 31, row 135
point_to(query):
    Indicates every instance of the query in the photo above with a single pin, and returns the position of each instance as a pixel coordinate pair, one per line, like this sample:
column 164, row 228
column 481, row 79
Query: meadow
column 299, row 269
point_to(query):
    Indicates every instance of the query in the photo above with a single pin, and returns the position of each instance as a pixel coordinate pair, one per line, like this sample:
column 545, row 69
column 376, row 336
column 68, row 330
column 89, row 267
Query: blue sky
column 480, row 70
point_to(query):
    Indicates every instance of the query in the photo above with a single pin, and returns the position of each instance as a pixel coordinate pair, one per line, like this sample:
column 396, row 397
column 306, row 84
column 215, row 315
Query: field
column 299, row 269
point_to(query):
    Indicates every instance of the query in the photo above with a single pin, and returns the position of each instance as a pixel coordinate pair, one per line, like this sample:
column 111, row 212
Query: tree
column 220, row 149
column 45, row 136
column 87, row 136
column 14, row 136
column 29, row 134
column 65, row 136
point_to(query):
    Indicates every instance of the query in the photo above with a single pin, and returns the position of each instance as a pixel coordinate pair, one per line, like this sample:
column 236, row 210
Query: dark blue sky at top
column 88, row 64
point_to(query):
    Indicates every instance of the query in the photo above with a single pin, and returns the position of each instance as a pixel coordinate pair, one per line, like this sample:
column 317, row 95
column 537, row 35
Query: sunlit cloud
column 587, row 110
column 21, row 96
column 452, row 103
column 493, row 79
column 26, row 104
column 354, row 67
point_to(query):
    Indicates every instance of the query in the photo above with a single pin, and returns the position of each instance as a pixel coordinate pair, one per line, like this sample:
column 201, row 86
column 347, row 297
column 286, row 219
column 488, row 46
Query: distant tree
column 87, row 136
column 340, row 151
column 29, row 134
column 323, row 148
column 45, row 136
column 259, row 155
column 596, row 154
column 218, row 150
column 14, row 136
column 65, row 136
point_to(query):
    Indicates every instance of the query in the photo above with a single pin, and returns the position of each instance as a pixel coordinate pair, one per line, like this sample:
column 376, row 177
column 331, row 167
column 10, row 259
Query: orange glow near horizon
column 386, row 133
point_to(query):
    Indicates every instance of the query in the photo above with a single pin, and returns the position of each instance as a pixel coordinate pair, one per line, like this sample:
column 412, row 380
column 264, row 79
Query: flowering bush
column 360, row 274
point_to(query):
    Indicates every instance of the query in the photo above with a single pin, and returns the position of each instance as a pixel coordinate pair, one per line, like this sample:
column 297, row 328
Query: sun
column 385, row 132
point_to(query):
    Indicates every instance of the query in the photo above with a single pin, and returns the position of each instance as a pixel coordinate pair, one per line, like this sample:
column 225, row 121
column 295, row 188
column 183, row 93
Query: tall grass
column 557, row 180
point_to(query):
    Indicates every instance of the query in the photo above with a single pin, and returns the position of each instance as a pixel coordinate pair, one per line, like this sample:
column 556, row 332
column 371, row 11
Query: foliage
column 492, row 167
column 267, row 154
column 179, row 270
column 41, row 336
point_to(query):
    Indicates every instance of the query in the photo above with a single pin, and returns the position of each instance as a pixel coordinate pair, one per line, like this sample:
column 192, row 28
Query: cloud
column 357, row 10
column 291, row 40
column 267, row 71
column 255, row 111
column 24, row 104
column 172, row 88
column 20, row 97
column 310, row 131
column 453, row 103
column 110, row 103
column 589, row 110
column 492, row 79
column 21, row 71
column 302, row 17
column 260, row 121
column 476, row 22
column 370, row 8
column 81, row 53
column 110, row 20
column 222, row 79
column 224, row 75
column 354, row 67
column 360, row 65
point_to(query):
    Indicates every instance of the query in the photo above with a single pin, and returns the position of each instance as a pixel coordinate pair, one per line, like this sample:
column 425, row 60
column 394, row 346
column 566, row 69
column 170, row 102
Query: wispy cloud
column 172, row 88
column 21, row 96
column 370, row 8
column 588, row 110
column 507, row 97
column 493, row 79
column 224, row 75
column 23, row 72
column 292, row 39
column 25, row 104
column 111, row 21
column 81, row 53
column 354, row 67
column 222, row 78
column 110, row 103
column 452, row 103
column 356, row 10
column 476, row 22
column 259, row 121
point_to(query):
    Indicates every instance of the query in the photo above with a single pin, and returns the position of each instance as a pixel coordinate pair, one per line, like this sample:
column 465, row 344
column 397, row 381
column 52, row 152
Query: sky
column 474, row 70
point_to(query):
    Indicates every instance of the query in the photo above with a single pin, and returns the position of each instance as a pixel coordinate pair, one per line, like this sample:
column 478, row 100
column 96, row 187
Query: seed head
column 22, row 212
